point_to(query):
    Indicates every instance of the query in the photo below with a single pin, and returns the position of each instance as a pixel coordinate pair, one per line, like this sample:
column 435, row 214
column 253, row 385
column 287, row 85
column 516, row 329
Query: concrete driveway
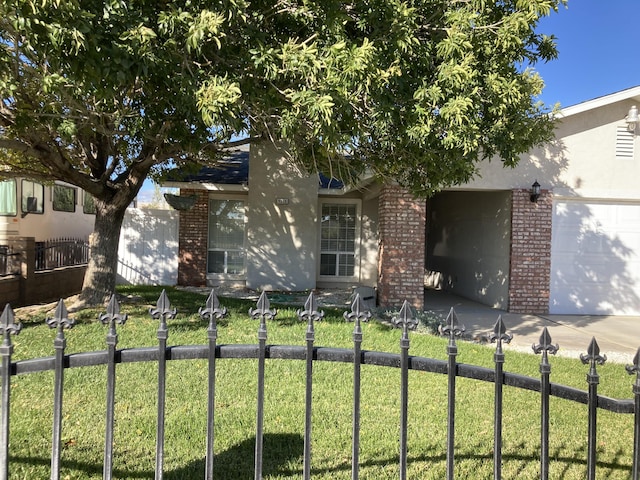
column 617, row 336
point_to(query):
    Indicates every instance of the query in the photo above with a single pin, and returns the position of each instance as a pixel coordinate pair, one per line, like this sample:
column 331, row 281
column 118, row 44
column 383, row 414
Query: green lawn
column 136, row 390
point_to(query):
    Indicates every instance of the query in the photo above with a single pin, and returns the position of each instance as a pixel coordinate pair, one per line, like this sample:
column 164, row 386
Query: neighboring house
column 32, row 209
column 43, row 234
column 575, row 249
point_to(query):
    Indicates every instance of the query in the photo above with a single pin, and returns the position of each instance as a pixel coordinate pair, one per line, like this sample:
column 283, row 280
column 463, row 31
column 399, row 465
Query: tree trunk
column 100, row 278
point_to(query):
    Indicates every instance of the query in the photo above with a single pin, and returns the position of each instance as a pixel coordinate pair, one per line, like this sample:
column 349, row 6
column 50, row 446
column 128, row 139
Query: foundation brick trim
column 402, row 220
column 530, row 269
column 192, row 240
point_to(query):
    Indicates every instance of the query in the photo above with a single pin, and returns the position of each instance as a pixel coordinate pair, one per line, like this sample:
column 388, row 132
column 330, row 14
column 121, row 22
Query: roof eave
column 212, row 187
column 627, row 94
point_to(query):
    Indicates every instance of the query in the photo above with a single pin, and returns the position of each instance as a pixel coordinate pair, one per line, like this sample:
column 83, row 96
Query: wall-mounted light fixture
column 632, row 118
column 535, row 191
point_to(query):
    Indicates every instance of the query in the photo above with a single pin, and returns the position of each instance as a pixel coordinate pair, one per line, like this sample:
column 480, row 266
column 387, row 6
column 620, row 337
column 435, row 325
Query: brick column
column 530, row 271
column 402, row 221
column 192, row 240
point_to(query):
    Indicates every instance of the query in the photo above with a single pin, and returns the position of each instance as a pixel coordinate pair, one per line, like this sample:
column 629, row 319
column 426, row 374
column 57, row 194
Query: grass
column 136, row 391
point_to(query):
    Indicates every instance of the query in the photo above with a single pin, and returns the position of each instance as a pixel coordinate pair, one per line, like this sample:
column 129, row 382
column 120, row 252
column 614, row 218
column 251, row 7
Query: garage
column 595, row 258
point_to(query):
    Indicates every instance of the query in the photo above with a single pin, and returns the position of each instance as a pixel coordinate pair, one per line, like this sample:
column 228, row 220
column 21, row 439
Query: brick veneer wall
column 402, row 248
column 530, row 271
column 192, row 240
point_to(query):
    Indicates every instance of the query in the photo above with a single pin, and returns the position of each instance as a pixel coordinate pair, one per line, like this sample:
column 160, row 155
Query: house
column 43, row 233
column 31, row 209
column 573, row 247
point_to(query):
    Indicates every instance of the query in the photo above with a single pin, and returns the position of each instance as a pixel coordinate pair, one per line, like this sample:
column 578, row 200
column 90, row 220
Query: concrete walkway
column 618, row 336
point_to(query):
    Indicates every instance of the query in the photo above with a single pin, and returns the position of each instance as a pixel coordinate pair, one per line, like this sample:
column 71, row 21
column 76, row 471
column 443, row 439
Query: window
column 8, row 198
column 338, row 239
column 64, row 198
column 88, row 204
column 226, row 237
column 32, row 197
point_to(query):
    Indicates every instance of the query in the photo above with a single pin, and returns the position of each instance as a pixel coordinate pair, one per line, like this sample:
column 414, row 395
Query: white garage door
column 595, row 258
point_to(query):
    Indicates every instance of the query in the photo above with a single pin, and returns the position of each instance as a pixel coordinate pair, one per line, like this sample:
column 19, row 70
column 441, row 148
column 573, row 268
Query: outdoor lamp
column 535, row 191
column 632, row 118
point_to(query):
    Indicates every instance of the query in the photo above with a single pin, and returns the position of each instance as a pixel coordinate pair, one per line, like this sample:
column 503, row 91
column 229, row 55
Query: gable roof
column 629, row 93
column 233, row 170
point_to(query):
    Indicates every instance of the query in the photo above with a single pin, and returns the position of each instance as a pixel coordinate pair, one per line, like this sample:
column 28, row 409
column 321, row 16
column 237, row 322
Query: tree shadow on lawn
column 281, row 451
column 283, row 456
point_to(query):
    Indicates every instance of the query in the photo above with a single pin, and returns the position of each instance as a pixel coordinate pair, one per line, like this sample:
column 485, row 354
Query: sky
column 599, row 53
column 598, row 43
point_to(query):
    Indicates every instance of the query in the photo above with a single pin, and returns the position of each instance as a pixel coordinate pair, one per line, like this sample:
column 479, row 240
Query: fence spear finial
column 405, row 319
column 60, row 318
column 500, row 334
column 545, row 344
column 452, row 328
column 212, row 310
column 359, row 313
column 8, row 325
column 310, row 312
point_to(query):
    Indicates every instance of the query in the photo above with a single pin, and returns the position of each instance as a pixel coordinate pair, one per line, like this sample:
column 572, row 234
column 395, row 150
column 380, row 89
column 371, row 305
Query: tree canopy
column 102, row 94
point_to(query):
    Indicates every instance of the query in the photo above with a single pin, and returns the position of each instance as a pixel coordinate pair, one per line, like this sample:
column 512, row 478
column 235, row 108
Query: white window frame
column 227, row 276
column 39, row 198
column 357, row 247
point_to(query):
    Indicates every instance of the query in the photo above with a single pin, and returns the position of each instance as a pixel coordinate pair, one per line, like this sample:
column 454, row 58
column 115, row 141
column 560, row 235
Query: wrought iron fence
column 61, row 252
column 212, row 312
column 8, row 261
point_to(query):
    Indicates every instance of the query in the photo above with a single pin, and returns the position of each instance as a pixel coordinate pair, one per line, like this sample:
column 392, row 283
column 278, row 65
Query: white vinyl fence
column 148, row 250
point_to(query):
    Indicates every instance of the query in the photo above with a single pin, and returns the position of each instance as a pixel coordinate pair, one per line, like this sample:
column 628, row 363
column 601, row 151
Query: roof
column 629, row 93
column 234, row 170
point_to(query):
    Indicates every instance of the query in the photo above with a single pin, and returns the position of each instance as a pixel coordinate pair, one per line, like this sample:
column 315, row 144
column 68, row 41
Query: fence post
column 110, row 318
column 310, row 314
column 7, row 327
column 631, row 369
column 261, row 312
column 213, row 312
column 407, row 321
column 592, row 357
column 499, row 335
column 25, row 248
column 545, row 346
column 59, row 322
column 357, row 315
column 452, row 329
column 162, row 312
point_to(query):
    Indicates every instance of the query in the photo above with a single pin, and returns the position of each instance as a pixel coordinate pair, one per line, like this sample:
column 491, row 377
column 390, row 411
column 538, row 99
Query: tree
column 102, row 94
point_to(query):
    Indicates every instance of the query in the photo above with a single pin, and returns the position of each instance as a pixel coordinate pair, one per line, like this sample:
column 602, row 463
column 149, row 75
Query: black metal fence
column 9, row 264
column 213, row 312
column 61, row 252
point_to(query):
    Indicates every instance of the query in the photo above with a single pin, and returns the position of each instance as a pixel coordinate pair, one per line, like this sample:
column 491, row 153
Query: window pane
column 8, row 198
column 338, row 239
column 64, row 198
column 226, row 236
column 32, row 197
column 216, row 262
column 327, row 264
column 347, row 263
column 88, row 204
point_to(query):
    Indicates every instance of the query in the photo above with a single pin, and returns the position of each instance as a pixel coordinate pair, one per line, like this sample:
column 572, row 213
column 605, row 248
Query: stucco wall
column 468, row 244
column 281, row 223
column 369, row 239
column 580, row 163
